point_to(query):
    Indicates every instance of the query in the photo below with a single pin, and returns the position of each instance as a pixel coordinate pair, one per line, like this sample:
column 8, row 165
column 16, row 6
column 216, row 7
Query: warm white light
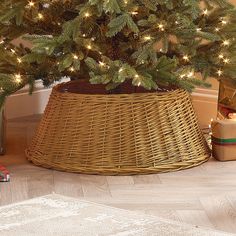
column 134, row 13
column 75, row 57
column 205, row 12
column 186, row 57
column 89, row 47
column 199, row 29
column 120, row 70
column 226, row 43
column 18, row 78
column 101, row 63
column 191, row 74
column 19, row 60
column 161, row 27
column 217, row 29
column 221, row 56
column 219, row 72
column 72, row 69
column 224, row 22
column 87, row 14
column 31, row 4
column 136, row 76
column 147, row 38
column 226, row 60
column 40, row 16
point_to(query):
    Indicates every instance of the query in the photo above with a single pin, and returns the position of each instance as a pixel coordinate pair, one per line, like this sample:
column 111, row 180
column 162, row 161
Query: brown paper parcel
column 223, row 136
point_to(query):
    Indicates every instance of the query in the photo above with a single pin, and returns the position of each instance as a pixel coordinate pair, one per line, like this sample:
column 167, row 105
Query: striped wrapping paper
column 4, row 174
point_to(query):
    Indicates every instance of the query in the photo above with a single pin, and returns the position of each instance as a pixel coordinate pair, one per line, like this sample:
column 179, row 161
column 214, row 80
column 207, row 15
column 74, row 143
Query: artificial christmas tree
column 155, row 44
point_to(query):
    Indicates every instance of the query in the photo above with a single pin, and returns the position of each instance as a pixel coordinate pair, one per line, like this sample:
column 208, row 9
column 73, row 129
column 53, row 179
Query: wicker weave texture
column 118, row 134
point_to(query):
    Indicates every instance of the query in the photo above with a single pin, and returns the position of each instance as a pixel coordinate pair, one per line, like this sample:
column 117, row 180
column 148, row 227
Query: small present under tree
column 151, row 43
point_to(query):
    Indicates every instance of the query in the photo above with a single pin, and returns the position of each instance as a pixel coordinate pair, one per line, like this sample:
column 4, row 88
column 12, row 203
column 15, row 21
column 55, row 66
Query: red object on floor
column 4, row 174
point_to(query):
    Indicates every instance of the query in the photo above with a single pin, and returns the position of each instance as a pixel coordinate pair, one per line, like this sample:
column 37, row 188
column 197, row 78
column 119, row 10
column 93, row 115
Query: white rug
column 56, row 215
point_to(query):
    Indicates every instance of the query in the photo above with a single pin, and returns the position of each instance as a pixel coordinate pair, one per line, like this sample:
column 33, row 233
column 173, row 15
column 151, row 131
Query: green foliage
column 148, row 42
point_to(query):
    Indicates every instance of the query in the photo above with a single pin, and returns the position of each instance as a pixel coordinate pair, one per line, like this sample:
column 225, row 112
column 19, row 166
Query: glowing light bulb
column 136, row 76
column 161, row 27
column 134, row 13
column 72, row 69
column 40, row 16
column 217, row 29
column 87, row 14
column 18, row 78
column 205, row 12
column 13, row 51
column 221, row 56
column 120, row 70
column 219, row 72
column 226, row 60
column 19, row 60
column 186, row 57
column 31, row 4
column 75, row 57
column 147, row 38
column 89, row 47
column 199, row 29
column 226, row 43
column 190, row 74
column 224, row 22
column 101, row 63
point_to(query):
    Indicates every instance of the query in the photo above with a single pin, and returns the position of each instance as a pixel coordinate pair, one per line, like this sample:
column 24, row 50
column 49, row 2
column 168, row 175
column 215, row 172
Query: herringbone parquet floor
column 204, row 196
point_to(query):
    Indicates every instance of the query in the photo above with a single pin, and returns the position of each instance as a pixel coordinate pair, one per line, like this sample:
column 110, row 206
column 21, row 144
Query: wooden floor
column 205, row 195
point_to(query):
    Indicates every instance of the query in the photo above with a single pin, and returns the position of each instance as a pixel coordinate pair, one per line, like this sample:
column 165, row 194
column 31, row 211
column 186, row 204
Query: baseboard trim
column 22, row 104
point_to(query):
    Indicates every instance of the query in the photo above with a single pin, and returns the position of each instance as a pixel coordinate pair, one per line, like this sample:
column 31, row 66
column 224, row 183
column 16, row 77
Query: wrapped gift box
column 227, row 98
column 224, row 139
column 4, row 174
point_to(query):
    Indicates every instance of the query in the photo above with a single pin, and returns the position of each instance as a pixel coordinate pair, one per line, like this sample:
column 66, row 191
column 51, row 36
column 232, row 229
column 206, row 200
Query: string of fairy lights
column 223, row 59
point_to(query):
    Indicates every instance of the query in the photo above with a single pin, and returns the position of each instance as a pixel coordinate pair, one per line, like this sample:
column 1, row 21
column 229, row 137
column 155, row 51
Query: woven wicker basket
column 118, row 134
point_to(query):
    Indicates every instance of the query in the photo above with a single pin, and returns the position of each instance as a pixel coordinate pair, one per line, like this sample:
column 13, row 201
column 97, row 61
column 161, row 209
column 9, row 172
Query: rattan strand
column 118, row 134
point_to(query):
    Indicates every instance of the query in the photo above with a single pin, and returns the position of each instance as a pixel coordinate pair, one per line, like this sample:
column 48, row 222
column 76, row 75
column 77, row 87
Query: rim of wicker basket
column 71, row 87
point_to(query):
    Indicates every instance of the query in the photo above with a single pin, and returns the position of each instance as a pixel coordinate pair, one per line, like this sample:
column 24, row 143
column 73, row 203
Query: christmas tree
column 151, row 43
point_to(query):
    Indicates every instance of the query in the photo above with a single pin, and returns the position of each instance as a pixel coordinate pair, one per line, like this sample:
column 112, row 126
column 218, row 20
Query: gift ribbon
column 221, row 141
